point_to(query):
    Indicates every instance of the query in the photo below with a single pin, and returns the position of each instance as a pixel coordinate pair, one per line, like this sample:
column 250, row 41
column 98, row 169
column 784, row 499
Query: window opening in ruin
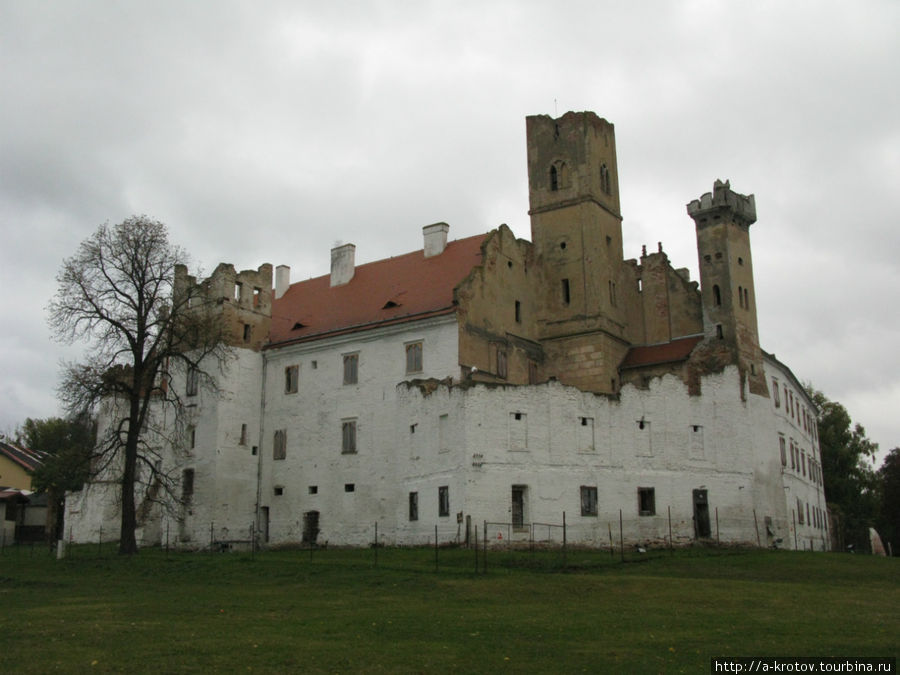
column 444, row 501
column 238, row 287
column 279, row 490
column 588, row 500
column 413, row 505
column 351, row 367
column 740, row 261
column 612, row 293
column 719, row 332
column 247, row 332
column 349, row 487
column 646, row 501
column 518, row 312
column 554, row 179
column 254, row 450
column 741, row 296
column 501, row 363
column 193, row 377
column 291, row 379
column 717, row 296
column 562, row 245
column 187, row 486
column 279, row 444
column 256, row 296
column 243, row 440
column 566, row 296
column 518, row 506
column 348, row 437
column 414, row 357
column 313, row 489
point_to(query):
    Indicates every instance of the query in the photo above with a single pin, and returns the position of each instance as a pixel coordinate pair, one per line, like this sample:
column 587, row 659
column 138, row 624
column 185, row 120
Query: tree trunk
column 127, row 541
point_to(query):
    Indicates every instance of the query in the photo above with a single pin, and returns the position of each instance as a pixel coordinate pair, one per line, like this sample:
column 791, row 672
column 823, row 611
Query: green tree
column 889, row 478
column 851, row 485
column 118, row 293
column 68, row 445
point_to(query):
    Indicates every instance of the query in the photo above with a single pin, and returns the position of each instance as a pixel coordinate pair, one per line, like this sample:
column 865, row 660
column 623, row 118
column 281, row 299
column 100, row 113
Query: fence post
column 756, row 525
column 484, row 539
column 671, row 545
column 621, row 537
column 717, row 526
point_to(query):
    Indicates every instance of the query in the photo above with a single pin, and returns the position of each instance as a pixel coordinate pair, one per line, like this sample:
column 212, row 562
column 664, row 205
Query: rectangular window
column 444, row 501
column 646, row 501
column 443, row 433
column 588, row 500
column 349, row 487
column 566, row 296
column 279, row 490
column 291, row 379
column 783, row 448
column 351, row 363
column 413, row 505
column 414, row 357
column 279, row 444
column 193, row 377
column 238, row 288
column 248, row 331
column 192, row 436
column 187, row 486
column 256, row 295
column 799, row 511
column 518, row 312
column 313, row 489
column 501, row 363
column 776, row 393
column 348, row 437
column 243, row 440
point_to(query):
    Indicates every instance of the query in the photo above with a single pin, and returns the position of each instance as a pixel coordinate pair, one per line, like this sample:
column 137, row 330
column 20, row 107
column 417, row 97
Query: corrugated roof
column 394, row 290
column 27, row 459
column 667, row 352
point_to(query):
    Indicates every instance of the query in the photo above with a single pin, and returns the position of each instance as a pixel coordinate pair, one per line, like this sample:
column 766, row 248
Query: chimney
column 435, row 238
column 282, row 280
column 343, row 264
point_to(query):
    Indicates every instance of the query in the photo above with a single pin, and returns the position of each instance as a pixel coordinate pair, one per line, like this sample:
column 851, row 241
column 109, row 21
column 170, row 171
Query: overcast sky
column 268, row 131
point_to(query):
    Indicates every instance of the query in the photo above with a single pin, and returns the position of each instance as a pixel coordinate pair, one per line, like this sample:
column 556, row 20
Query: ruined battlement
column 723, row 203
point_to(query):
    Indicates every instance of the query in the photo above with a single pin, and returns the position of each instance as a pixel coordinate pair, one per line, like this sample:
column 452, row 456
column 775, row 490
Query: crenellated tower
column 722, row 219
column 576, row 228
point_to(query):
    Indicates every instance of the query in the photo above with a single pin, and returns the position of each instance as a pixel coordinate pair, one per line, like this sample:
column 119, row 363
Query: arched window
column 554, row 179
column 717, row 296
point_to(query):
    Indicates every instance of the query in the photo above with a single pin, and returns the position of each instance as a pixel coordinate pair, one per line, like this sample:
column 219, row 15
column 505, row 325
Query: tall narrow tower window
column 566, row 296
column 717, row 296
column 554, row 179
column 604, row 179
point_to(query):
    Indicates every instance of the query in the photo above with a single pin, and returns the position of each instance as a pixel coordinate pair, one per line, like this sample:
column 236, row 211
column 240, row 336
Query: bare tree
column 118, row 292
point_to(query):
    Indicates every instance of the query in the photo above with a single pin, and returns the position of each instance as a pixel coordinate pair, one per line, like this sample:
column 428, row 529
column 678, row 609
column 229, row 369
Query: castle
column 496, row 380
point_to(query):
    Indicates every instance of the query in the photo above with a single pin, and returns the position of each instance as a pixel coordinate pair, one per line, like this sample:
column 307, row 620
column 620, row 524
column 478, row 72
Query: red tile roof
column 27, row 459
column 667, row 352
column 395, row 290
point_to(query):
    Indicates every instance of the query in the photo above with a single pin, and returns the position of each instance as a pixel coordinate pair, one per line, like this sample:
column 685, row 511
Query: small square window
column 646, row 501
column 349, row 487
column 279, row 490
column 313, row 489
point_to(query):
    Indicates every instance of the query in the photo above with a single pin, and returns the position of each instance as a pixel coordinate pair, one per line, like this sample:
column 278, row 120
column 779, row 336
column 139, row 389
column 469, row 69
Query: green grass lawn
column 335, row 611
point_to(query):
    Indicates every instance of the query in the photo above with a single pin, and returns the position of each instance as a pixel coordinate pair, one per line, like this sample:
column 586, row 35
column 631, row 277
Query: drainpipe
column 259, row 447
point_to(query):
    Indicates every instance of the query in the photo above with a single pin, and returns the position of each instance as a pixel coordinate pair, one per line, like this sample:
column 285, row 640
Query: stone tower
column 722, row 219
column 576, row 228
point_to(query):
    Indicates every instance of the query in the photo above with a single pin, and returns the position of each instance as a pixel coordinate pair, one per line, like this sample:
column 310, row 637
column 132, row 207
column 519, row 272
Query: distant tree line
column 859, row 496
